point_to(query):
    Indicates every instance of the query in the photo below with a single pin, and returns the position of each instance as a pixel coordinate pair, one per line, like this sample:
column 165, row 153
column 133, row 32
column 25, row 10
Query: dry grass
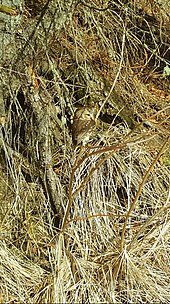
column 90, row 224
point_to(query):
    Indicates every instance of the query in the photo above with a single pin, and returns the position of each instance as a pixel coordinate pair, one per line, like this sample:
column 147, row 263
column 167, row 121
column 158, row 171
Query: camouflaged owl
column 83, row 125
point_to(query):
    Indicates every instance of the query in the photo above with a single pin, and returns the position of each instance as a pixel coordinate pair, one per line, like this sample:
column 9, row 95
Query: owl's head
column 85, row 113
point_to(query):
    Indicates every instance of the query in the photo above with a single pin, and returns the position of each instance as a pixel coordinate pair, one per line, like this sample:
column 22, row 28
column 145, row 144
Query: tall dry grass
column 89, row 224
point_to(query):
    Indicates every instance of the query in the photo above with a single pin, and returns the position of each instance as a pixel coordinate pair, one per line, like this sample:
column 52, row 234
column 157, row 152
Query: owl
column 83, row 125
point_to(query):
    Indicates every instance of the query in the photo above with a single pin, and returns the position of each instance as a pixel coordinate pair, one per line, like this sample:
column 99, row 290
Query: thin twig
column 117, row 75
column 139, row 192
column 112, row 149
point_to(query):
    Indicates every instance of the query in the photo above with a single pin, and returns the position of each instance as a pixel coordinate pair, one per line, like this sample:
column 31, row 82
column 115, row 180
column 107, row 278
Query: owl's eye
column 87, row 115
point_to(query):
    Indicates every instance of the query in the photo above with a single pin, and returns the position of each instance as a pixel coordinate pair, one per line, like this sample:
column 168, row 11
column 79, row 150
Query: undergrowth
column 86, row 223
